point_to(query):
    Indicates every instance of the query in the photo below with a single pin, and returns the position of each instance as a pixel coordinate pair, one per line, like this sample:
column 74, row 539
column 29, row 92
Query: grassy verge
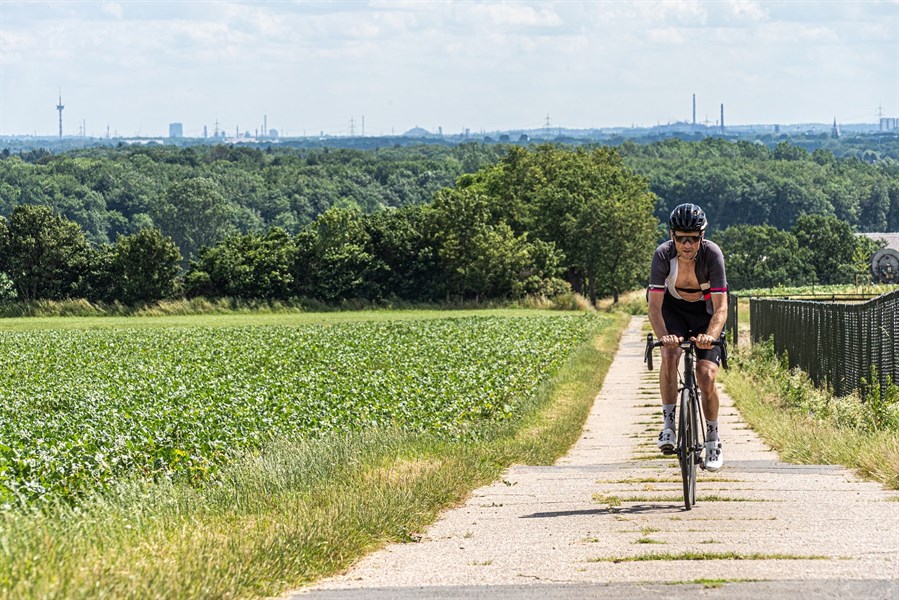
column 283, row 517
column 82, row 308
column 806, row 425
column 236, row 318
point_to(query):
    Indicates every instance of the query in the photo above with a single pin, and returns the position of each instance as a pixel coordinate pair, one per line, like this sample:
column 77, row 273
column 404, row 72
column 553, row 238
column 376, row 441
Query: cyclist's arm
column 658, row 273
column 716, row 324
column 658, row 322
column 719, row 317
column 655, row 315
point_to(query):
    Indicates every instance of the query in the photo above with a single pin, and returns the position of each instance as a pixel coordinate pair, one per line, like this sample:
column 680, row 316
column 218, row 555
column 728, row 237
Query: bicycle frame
column 691, row 430
column 687, row 381
column 691, row 425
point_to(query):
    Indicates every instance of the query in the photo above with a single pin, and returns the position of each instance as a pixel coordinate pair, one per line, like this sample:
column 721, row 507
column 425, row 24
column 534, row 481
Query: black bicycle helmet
column 687, row 217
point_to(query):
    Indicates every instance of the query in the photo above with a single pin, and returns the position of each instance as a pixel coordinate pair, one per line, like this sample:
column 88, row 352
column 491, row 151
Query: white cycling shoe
column 666, row 441
column 713, row 458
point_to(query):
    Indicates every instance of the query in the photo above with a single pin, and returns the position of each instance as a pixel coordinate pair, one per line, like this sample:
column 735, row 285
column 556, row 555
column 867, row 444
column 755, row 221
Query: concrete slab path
column 607, row 521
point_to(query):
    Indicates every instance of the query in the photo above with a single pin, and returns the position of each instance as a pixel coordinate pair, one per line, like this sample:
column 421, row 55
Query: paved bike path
column 557, row 531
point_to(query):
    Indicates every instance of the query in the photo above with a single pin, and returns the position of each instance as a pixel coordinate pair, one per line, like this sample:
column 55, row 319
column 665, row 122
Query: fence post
column 732, row 324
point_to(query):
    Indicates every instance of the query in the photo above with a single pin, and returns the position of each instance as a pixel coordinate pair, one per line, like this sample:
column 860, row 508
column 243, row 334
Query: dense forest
column 423, row 223
column 750, row 183
column 122, row 190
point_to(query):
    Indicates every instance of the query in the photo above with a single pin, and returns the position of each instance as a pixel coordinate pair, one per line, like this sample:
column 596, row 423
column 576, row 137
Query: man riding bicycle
column 688, row 300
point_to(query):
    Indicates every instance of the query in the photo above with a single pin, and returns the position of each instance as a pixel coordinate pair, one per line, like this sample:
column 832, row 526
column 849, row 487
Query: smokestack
column 722, row 116
column 59, row 107
column 694, row 109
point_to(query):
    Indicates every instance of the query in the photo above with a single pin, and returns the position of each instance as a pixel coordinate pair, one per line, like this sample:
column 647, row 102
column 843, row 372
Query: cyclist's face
column 686, row 242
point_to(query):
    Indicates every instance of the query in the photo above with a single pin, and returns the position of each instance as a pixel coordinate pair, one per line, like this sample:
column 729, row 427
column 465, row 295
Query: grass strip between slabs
column 289, row 514
column 710, row 584
column 664, row 556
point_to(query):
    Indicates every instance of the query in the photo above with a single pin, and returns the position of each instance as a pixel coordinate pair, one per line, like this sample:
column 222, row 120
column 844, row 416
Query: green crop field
column 83, row 408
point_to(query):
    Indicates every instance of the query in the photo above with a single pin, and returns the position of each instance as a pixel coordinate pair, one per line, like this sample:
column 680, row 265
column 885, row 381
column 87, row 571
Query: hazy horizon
column 312, row 67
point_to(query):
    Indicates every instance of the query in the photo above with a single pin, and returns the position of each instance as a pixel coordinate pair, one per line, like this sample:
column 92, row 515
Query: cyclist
column 688, row 299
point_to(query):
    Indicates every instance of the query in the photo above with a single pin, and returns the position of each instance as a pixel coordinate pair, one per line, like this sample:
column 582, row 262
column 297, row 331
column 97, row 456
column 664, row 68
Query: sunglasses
column 683, row 239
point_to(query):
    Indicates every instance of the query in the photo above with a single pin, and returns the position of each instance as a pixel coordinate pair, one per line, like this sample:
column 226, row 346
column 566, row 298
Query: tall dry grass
column 807, row 425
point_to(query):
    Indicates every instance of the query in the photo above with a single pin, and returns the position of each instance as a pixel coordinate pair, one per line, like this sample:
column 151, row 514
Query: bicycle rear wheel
column 686, row 446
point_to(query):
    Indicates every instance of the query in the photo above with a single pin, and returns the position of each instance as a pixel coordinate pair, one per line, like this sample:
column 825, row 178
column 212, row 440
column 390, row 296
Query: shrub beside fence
column 836, row 344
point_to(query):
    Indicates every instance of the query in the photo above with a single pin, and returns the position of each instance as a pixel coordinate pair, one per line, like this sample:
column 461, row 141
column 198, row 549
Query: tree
column 874, row 209
column 865, row 249
column 332, row 257
column 787, row 151
column 143, row 267
column 595, row 210
column 247, row 266
column 403, row 255
column 461, row 223
column 893, row 213
column 481, row 256
column 4, row 245
column 618, row 236
column 195, row 214
column 7, row 287
column 761, row 256
column 831, row 245
column 47, row 255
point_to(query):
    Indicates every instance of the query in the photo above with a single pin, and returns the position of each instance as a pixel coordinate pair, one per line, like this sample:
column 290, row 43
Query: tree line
column 536, row 222
column 818, row 249
column 520, row 221
column 747, row 183
column 201, row 194
column 198, row 195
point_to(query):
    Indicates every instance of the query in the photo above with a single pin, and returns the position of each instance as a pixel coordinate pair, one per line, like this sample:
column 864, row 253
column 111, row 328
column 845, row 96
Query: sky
column 382, row 67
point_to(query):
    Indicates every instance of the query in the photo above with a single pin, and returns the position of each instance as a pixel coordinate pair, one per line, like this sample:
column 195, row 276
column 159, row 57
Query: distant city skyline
column 305, row 68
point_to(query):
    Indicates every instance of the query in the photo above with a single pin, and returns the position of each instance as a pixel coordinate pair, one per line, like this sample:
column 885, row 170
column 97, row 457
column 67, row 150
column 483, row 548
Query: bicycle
column 691, row 423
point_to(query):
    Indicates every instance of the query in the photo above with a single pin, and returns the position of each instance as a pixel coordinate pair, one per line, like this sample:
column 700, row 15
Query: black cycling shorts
column 686, row 319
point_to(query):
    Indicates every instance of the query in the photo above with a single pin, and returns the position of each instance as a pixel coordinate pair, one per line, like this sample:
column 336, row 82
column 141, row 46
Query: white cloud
column 793, row 34
column 501, row 15
column 685, row 12
column 667, row 35
column 113, row 9
column 748, row 9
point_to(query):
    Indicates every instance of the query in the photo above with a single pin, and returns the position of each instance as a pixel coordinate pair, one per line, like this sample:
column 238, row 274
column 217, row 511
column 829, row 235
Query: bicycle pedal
column 669, row 451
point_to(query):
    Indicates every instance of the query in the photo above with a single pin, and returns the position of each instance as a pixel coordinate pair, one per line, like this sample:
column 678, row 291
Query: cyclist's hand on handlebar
column 671, row 341
column 703, row 341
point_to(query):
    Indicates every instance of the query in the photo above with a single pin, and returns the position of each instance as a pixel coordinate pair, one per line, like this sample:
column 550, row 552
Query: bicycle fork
column 699, row 446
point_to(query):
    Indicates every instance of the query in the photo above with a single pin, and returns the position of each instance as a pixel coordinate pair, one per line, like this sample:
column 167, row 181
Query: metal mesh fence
column 732, row 325
column 836, row 344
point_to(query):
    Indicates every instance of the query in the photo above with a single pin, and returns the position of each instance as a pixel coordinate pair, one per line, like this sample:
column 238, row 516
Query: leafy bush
column 7, row 288
column 881, row 402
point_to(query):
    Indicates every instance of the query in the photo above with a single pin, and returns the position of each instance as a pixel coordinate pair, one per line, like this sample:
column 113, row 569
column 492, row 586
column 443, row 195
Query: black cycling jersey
column 710, row 274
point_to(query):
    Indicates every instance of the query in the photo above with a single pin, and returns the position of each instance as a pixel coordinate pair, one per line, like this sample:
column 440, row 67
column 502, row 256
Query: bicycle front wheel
column 686, row 446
